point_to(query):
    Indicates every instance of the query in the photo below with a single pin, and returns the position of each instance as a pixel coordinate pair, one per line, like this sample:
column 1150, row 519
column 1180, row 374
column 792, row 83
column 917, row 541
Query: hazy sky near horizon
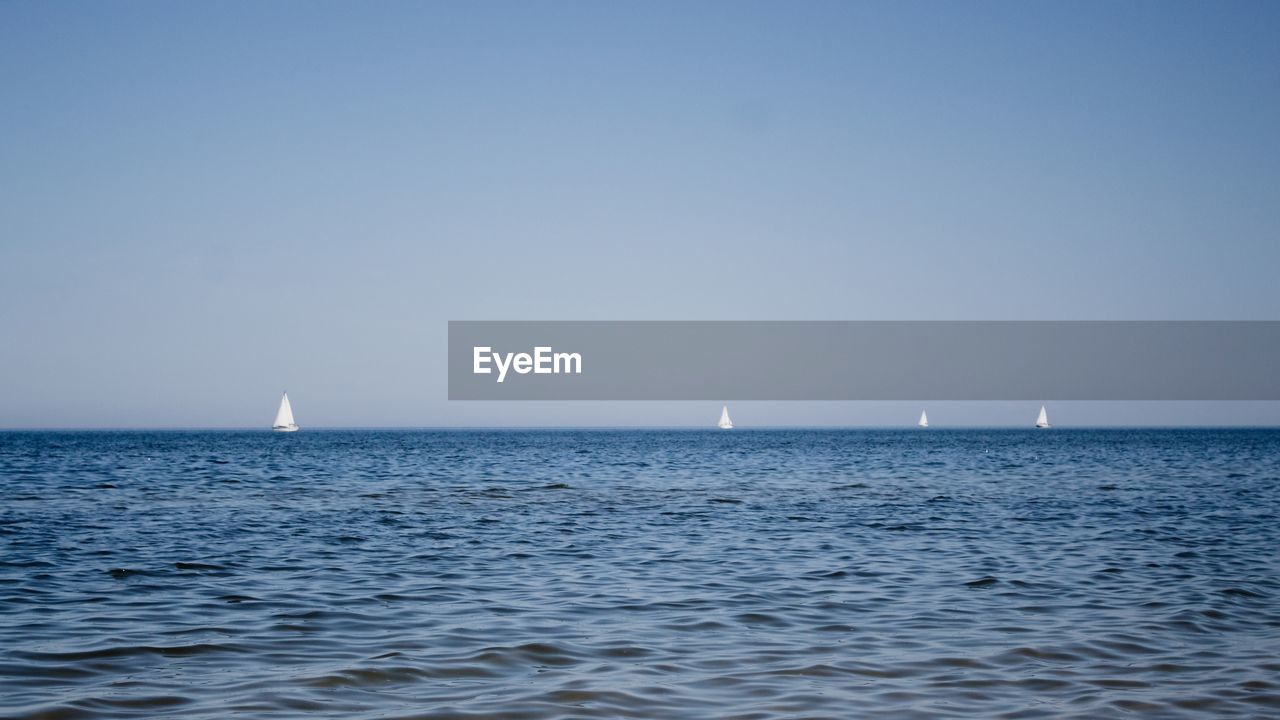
column 202, row 204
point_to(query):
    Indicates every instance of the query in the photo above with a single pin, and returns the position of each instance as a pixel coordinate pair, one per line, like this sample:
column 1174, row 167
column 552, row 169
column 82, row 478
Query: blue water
column 689, row 574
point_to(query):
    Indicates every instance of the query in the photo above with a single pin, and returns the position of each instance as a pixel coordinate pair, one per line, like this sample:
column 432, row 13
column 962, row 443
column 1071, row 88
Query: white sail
column 284, row 416
column 725, row 422
column 924, row 419
column 1043, row 420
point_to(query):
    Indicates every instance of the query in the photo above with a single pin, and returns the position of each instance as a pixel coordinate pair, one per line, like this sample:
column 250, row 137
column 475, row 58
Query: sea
column 753, row 574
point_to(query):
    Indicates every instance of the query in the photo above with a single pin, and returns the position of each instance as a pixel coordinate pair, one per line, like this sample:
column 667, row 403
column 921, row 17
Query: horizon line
column 909, row 426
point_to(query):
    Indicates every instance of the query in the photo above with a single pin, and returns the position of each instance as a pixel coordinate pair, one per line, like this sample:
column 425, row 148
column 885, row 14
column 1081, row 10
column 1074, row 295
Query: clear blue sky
column 202, row 204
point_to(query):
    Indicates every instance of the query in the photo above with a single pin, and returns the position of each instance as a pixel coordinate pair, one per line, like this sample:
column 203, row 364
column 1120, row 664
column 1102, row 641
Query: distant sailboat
column 1043, row 420
column 924, row 419
column 284, row 417
column 725, row 422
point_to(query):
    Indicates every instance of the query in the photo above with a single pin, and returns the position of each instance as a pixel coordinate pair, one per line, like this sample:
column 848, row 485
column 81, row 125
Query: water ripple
column 583, row 574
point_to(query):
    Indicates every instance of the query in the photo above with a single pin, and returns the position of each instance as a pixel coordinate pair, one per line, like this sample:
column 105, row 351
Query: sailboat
column 924, row 419
column 725, row 422
column 1043, row 420
column 284, row 417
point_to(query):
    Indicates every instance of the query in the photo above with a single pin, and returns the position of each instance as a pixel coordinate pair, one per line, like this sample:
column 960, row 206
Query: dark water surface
column 682, row 574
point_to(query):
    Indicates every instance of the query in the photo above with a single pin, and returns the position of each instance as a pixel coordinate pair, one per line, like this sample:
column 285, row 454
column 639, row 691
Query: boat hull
column 285, row 428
